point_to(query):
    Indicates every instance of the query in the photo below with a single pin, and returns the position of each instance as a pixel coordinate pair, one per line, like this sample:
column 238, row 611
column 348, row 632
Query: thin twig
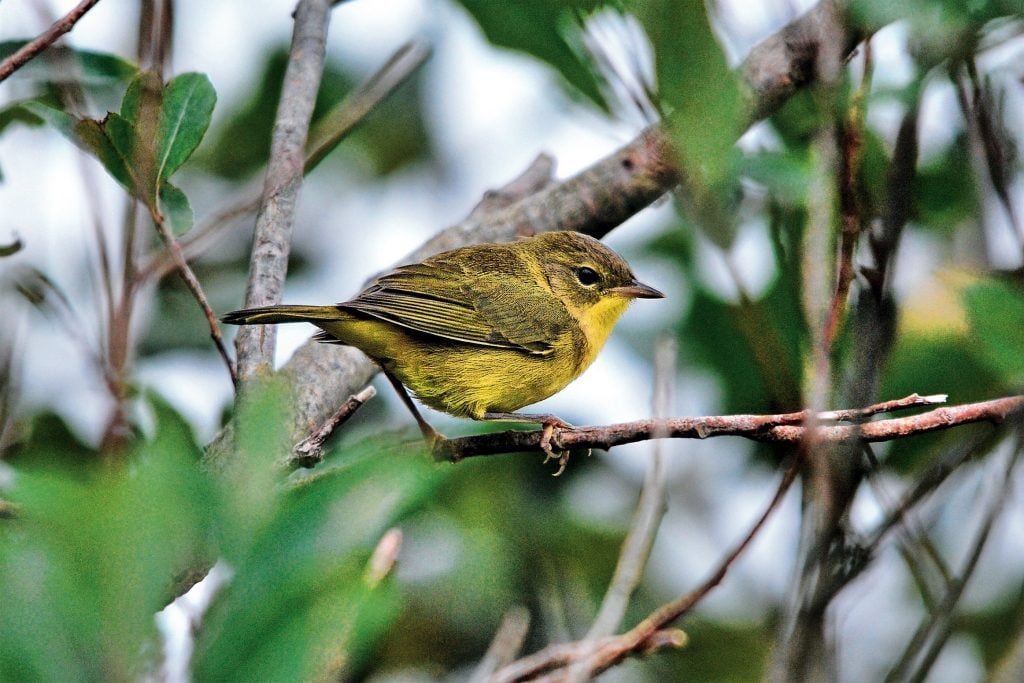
column 849, row 206
column 340, row 121
column 636, row 547
column 334, row 126
column 45, row 39
column 763, row 428
column 310, row 450
column 937, row 625
column 192, row 282
column 928, row 482
column 650, row 634
column 272, row 241
column 506, row 644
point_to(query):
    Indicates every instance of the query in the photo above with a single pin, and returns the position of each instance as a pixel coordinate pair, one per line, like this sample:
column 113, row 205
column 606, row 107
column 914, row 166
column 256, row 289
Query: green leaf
column 95, row 554
column 996, row 313
column 185, row 113
column 545, row 29
column 702, row 94
column 300, row 597
column 66, row 64
column 175, row 208
column 95, row 137
column 61, row 121
column 785, row 175
column 16, row 112
column 145, row 92
column 12, row 248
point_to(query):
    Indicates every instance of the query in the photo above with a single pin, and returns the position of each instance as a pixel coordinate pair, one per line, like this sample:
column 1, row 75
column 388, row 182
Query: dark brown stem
column 189, row 277
column 851, row 138
column 34, row 47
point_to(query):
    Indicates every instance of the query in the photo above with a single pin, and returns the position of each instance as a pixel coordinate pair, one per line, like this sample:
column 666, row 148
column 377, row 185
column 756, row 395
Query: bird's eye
column 587, row 276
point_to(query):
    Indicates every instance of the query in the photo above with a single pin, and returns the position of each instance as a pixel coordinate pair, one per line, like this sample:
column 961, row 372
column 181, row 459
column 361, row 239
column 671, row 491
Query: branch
column 784, row 428
column 507, row 642
column 310, row 450
column 650, row 634
column 192, row 282
column 636, row 547
column 324, row 136
column 272, row 241
column 924, row 647
column 851, row 140
column 34, row 47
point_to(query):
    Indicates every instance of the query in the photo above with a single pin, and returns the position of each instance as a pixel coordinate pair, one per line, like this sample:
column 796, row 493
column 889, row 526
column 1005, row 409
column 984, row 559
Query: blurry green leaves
column 393, row 135
column 301, row 604
column 700, row 93
column 98, row 73
column 157, row 130
column 545, row 29
column 996, row 314
column 92, row 556
column 95, row 549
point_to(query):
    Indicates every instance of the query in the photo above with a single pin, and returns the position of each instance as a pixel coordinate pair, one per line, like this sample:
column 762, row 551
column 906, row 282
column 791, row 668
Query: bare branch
column 340, row 121
column 192, row 282
column 310, row 450
column 505, row 645
column 650, row 634
column 851, row 142
column 787, row 61
column 927, row 642
column 784, row 428
column 34, row 47
column 272, row 241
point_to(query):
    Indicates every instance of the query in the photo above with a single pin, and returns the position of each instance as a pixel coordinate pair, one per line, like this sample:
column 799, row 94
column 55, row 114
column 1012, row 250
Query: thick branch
column 785, row 428
column 272, row 241
column 34, row 47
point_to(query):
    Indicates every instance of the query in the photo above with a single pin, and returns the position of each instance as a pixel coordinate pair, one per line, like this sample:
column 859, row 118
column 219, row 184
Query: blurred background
column 494, row 533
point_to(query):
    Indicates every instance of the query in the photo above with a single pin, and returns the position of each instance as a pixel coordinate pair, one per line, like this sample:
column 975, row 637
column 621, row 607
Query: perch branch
column 47, row 38
column 784, row 428
column 310, row 450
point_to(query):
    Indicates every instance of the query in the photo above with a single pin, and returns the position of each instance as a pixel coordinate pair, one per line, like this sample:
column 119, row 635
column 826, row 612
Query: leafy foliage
column 544, row 29
column 157, row 129
column 96, row 548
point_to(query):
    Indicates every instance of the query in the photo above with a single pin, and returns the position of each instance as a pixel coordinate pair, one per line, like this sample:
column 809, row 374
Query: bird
column 483, row 330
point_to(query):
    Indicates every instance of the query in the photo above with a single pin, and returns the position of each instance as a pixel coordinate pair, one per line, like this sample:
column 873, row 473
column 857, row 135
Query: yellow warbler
column 483, row 330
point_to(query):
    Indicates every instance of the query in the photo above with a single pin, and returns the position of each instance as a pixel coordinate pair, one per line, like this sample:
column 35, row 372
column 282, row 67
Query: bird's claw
column 548, row 436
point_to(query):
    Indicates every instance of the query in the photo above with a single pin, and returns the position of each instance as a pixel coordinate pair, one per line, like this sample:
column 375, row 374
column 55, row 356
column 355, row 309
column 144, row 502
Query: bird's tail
column 266, row 315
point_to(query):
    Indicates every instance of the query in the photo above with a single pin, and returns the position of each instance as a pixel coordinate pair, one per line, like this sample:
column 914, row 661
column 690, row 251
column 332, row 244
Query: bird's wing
column 495, row 310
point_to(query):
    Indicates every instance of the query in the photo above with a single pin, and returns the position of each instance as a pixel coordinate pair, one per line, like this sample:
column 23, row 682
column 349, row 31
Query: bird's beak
column 637, row 290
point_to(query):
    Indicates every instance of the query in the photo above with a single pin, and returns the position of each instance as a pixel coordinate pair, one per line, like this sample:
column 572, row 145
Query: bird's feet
column 549, row 436
column 550, row 425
